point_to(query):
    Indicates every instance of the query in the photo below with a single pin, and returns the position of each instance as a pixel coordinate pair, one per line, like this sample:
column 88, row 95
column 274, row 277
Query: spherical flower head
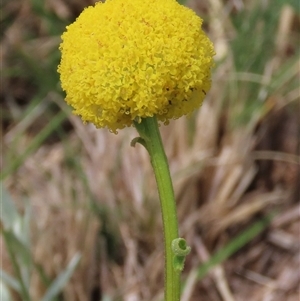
column 124, row 60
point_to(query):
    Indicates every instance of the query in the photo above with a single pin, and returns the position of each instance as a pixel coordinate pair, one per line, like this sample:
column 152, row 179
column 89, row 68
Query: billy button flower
column 127, row 60
column 133, row 62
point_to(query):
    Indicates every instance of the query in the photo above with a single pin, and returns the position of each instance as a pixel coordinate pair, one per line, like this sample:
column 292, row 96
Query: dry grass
column 90, row 192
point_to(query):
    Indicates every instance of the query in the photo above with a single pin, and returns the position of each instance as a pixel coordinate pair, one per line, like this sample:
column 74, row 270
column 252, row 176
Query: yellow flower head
column 124, row 60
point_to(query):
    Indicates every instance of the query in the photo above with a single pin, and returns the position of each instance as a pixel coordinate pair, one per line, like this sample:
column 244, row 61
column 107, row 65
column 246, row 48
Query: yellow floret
column 124, row 60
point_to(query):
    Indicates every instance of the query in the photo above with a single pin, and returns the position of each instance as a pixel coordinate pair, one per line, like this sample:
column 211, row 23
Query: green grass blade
column 12, row 221
column 232, row 247
column 20, row 258
column 38, row 140
column 9, row 214
column 16, row 233
column 286, row 76
column 5, row 294
column 62, row 279
column 9, row 281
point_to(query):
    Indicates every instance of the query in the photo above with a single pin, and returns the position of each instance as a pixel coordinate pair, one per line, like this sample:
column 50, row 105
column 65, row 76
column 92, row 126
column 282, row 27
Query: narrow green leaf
column 38, row 140
column 232, row 247
column 12, row 220
column 62, row 279
column 9, row 215
column 4, row 292
column 9, row 281
column 21, row 255
column 20, row 258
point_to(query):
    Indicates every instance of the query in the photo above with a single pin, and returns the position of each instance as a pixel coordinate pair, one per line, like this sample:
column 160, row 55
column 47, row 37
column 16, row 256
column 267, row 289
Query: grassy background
column 80, row 218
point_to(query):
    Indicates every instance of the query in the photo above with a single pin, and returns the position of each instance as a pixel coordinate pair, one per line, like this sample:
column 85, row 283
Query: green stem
column 151, row 139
